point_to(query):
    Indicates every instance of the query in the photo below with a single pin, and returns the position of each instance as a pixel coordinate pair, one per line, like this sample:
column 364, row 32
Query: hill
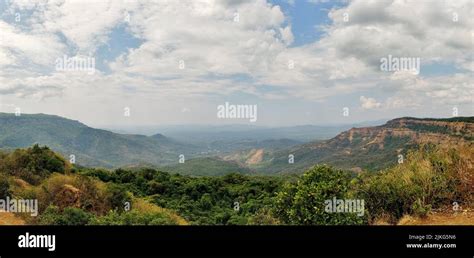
column 91, row 147
column 371, row 148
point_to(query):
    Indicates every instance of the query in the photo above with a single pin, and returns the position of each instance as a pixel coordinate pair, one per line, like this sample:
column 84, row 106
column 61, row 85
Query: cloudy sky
column 174, row 62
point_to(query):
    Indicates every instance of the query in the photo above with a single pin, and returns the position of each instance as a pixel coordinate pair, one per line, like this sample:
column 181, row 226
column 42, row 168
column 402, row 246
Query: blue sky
column 306, row 17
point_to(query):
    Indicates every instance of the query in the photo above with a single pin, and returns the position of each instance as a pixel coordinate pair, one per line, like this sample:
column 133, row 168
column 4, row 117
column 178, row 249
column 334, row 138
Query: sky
column 175, row 62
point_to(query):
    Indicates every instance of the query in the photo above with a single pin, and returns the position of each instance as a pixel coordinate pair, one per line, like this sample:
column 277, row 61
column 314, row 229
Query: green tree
column 4, row 187
column 303, row 202
column 68, row 217
column 118, row 197
column 34, row 164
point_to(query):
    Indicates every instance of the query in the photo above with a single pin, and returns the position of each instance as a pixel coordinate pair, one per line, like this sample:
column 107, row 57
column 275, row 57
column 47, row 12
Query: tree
column 34, row 164
column 4, row 187
column 303, row 202
column 118, row 197
column 68, row 217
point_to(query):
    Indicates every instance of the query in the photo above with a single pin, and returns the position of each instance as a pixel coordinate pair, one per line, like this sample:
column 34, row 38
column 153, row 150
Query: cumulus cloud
column 369, row 103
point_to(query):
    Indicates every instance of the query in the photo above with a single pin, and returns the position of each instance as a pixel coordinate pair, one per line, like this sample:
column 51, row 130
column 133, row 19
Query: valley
column 236, row 149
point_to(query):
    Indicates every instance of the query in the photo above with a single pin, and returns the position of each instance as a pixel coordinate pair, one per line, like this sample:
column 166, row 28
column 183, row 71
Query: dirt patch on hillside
column 255, row 158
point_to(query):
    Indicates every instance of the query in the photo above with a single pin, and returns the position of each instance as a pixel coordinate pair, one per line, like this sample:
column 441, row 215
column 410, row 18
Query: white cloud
column 369, row 103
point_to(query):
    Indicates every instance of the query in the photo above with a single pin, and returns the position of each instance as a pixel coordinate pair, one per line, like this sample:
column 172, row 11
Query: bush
column 34, row 164
column 118, row 197
column 429, row 178
column 4, row 187
column 101, row 174
column 73, row 191
column 263, row 217
column 133, row 218
column 303, row 202
column 68, row 217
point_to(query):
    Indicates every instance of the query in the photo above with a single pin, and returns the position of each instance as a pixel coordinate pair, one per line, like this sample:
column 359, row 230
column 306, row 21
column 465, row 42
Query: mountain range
column 369, row 148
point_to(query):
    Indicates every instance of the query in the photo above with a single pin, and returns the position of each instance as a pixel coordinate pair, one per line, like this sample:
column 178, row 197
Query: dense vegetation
column 207, row 166
column 430, row 178
column 67, row 198
column 230, row 199
column 301, row 203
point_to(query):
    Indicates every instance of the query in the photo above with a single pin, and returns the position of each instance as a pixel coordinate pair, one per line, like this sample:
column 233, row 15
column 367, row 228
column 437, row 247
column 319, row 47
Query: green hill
column 91, row 147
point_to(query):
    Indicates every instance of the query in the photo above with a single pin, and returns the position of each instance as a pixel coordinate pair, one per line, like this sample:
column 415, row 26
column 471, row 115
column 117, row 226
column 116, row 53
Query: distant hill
column 91, row 147
column 370, row 148
column 231, row 133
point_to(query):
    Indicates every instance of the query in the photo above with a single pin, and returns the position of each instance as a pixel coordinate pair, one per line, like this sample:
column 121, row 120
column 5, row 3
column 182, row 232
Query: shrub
column 133, row 218
column 68, row 217
column 429, row 178
column 73, row 191
column 303, row 202
column 118, row 197
column 34, row 164
column 4, row 187
column 263, row 216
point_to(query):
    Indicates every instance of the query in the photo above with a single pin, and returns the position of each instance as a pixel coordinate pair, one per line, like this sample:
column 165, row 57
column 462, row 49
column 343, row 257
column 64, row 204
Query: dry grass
column 146, row 207
column 8, row 218
column 460, row 218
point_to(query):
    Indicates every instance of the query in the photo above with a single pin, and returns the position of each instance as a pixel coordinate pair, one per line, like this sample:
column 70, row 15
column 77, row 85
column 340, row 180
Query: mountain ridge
column 375, row 147
column 91, row 146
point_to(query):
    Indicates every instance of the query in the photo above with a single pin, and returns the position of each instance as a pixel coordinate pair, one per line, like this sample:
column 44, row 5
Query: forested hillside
column 91, row 147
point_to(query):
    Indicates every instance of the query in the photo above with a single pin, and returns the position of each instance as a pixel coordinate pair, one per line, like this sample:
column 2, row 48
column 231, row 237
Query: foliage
column 33, row 164
column 207, row 166
column 4, row 187
column 200, row 200
column 68, row 217
column 303, row 202
column 118, row 197
column 429, row 178
column 133, row 218
column 73, row 191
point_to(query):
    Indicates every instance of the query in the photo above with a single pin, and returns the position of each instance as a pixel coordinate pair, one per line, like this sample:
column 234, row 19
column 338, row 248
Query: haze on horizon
column 174, row 62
